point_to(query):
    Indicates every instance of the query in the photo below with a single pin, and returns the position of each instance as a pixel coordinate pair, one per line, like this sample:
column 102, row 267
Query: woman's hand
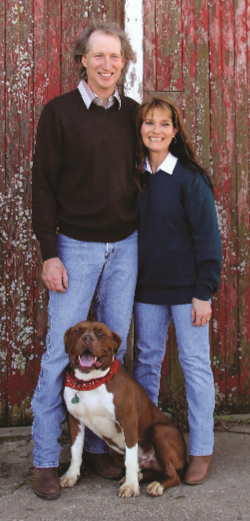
column 201, row 312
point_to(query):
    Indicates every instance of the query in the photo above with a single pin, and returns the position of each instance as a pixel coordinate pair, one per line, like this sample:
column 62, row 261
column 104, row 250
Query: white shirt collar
column 88, row 95
column 168, row 165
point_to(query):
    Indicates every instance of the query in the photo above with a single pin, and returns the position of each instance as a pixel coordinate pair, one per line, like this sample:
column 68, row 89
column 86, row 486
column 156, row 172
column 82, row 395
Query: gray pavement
column 225, row 496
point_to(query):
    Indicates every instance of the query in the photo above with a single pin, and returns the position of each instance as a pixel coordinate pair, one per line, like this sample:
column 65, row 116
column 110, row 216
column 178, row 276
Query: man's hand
column 201, row 312
column 54, row 275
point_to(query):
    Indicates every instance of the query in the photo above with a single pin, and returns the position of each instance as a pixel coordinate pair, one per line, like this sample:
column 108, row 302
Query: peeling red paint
column 195, row 52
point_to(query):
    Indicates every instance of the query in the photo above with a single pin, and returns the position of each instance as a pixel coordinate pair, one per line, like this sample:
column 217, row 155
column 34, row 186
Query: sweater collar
column 168, row 165
column 89, row 96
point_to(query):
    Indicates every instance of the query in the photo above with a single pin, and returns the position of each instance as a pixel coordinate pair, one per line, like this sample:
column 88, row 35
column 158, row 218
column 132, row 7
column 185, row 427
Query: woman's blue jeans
column 151, row 327
column 110, row 269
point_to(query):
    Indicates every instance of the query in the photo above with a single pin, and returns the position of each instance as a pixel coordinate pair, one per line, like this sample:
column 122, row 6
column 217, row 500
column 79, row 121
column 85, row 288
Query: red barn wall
column 197, row 53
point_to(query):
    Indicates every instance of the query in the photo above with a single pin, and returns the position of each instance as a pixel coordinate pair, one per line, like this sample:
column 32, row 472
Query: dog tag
column 75, row 399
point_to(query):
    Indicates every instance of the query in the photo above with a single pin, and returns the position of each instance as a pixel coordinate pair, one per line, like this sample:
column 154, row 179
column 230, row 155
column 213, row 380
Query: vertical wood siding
column 197, row 53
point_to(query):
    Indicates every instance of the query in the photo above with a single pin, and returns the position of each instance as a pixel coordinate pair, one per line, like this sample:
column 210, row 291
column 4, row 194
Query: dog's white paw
column 128, row 490
column 140, row 477
column 155, row 489
column 67, row 480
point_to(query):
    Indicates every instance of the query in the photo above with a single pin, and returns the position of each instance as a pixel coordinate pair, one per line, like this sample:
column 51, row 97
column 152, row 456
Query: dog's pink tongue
column 86, row 360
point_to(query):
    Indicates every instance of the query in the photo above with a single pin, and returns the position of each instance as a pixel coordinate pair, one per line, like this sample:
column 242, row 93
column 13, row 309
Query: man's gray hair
column 112, row 28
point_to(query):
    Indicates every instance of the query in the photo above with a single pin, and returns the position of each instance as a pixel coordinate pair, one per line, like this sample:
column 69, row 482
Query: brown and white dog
column 116, row 408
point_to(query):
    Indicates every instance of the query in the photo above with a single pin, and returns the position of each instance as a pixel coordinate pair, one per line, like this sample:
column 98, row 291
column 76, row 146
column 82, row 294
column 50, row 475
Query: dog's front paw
column 128, row 490
column 122, row 480
column 155, row 489
column 68, row 480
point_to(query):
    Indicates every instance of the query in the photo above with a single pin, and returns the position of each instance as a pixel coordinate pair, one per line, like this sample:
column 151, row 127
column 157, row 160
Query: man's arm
column 47, row 166
column 46, row 170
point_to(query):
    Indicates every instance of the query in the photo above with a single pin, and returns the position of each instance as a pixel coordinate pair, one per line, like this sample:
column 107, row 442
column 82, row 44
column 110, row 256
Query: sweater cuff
column 202, row 291
column 48, row 250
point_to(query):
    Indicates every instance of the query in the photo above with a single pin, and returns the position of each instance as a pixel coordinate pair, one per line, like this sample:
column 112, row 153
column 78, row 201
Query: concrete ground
column 225, row 496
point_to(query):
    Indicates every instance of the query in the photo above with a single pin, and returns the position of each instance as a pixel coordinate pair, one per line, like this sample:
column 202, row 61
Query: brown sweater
column 82, row 172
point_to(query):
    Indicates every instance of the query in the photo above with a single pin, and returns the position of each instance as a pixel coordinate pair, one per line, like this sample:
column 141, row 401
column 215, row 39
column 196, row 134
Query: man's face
column 103, row 62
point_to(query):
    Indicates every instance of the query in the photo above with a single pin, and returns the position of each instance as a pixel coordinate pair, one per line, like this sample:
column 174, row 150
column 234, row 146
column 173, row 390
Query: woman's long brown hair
column 180, row 147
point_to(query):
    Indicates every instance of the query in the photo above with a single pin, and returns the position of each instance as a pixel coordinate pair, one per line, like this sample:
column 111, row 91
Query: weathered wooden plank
column 41, row 81
column 218, row 336
column 74, row 20
column 3, row 234
column 2, row 99
column 189, row 65
column 40, row 58
column 149, row 45
column 109, row 10
column 176, row 46
column 169, row 45
column 230, row 196
column 247, row 389
column 243, row 200
column 134, row 28
column 103, row 10
column 202, row 83
column 163, row 33
column 54, row 48
column 120, row 12
column 230, row 191
column 19, row 134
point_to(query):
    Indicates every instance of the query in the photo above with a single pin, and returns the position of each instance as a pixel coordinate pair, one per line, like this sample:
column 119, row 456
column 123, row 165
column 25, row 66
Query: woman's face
column 157, row 130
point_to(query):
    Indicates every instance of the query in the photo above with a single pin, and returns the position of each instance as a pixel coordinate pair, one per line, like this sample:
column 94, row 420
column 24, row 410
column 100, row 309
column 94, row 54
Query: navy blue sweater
column 180, row 253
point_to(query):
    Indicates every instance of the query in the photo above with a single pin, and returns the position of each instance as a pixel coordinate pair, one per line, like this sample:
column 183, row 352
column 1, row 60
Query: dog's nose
column 88, row 338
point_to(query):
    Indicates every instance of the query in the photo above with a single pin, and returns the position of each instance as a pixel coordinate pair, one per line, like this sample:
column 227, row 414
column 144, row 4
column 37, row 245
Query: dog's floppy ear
column 66, row 339
column 117, row 341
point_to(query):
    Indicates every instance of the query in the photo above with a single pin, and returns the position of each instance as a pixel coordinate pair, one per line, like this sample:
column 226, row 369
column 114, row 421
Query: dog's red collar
column 80, row 385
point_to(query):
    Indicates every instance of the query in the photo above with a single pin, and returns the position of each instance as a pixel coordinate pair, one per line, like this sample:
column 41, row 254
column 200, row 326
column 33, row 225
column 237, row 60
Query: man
column 83, row 184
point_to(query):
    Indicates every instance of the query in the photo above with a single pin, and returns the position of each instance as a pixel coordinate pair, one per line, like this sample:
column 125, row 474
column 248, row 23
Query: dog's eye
column 100, row 334
column 77, row 332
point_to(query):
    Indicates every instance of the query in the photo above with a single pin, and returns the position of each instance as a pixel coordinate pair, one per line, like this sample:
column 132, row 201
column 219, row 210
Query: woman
column 180, row 258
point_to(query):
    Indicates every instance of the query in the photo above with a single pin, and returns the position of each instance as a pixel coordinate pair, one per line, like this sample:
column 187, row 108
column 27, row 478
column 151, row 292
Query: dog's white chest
column 96, row 411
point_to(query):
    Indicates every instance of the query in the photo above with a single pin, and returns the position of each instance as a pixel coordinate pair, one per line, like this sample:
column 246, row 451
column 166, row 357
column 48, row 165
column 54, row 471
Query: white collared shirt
column 168, row 165
column 89, row 96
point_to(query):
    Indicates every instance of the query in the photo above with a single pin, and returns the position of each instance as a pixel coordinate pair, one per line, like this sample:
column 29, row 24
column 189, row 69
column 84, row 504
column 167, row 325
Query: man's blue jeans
column 110, row 270
column 151, row 327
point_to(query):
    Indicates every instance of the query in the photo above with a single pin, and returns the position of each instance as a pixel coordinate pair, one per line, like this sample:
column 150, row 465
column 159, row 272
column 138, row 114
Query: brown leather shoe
column 46, row 483
column 104, row 465
column 197, row 470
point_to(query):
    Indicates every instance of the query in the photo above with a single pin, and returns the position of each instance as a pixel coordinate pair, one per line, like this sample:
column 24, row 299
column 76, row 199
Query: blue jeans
column 151, row 326
column 111, row 271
